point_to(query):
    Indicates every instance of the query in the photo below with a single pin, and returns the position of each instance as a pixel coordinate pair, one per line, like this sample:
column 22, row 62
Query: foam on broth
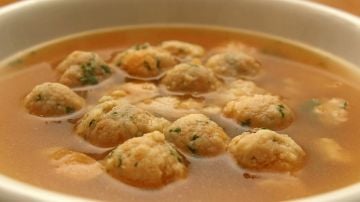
column 295, row 73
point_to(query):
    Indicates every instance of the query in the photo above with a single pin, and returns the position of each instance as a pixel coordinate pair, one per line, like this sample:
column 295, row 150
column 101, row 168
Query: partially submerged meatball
column 52, row 99
column 111, row 123
column 132, row 92
column 147, row 161
column 266, row 150
column 73, row 164
column 197, row 134
column 83, row 68
column 331, row 151
column 232, row 64
column 332, row 111
column 172, row 107
column 259, row 111
column 187, row 77
column 144, row 61
column 182, row 49
column 235, row 90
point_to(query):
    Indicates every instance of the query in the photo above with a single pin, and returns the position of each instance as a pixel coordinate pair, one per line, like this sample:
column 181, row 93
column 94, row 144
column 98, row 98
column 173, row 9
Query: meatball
column 73, row 164
column 132, row 92
column 183, row 50
column 331, row 151
column 197, row 134
column 260, row 111
column 52, row 99
column 231, row 64
column 83, row 68
column 266, row 150
column 171, row 107
column 332, row 111
column 236, row 89
column 144, row 61
column 188, row 77
column 147, row 161
column 110, row 127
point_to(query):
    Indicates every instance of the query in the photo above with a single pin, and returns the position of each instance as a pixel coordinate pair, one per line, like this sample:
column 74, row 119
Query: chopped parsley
column 106, row 69
column 89, row 77
column 141, row 46
column 92, row 122
column 194, row 137
column 281, row 110
column 345, row 105
column 176, row 130
column 174, row 153
column 38, row 97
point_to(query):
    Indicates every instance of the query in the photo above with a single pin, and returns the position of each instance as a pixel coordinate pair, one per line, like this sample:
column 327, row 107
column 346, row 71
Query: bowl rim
column 13, row 187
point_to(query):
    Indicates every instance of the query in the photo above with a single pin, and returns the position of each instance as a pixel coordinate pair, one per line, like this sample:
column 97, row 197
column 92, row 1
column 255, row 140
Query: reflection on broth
column 179, row 114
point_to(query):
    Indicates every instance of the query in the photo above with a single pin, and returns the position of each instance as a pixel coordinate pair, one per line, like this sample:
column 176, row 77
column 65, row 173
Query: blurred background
column 351, row 6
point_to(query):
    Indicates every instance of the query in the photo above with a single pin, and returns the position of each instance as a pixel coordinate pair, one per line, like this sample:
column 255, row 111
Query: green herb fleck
column 176, row 130
column 345, row 105
column 141, row 46
column 38, row 97
column 191, row 149
column 69, row 110
column 88, row 74
column 176, row 154
column 92, row 122
column 281, row 109
column 194, row 137
column 247, row 122
column 106, row 69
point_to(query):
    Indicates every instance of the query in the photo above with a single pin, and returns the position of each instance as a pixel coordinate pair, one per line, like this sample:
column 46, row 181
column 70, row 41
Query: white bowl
column 29, row 23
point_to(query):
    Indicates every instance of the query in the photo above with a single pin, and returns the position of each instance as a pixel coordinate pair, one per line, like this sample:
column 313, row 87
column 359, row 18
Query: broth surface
column 296, row 74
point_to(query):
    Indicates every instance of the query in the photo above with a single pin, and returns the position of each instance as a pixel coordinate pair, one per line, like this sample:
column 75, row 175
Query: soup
column 179, row 114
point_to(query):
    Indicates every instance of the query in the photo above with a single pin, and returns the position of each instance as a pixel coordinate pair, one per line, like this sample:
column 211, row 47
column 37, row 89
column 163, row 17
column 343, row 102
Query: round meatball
column 123, row 121
column 144, row 61
column 83, row 68
column 85, row 126
column 231, row 64
column 197, row 134
column 266, row 150
column 73, row 164
column 171, row 107
column 147, row 161
column 259, row 111
column 132, row 92
column 183, row 50
column 52, row 99
column 188, row 77
column 332, row 111
column 236, row 89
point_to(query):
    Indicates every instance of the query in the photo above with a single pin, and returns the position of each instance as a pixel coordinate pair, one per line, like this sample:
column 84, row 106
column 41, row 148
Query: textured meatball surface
column 147, row 161
column 52, row 99
column 259, row 111
column 197, row 134
column 111, row 123
column 187, row 77
column 266, row 150
column 83, row 68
